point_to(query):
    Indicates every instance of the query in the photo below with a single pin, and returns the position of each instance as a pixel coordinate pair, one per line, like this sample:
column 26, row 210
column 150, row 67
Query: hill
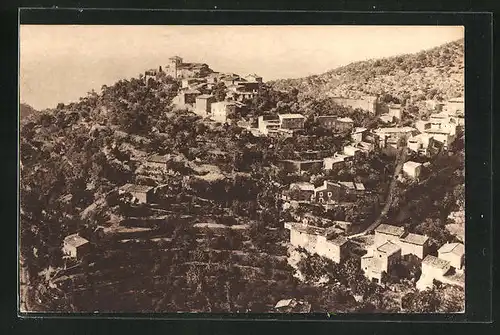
column 437, row 73
column 25, row 110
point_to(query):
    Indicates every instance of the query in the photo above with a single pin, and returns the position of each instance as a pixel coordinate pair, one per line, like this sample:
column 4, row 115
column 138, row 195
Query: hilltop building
column 253, row 78
column 176, row 68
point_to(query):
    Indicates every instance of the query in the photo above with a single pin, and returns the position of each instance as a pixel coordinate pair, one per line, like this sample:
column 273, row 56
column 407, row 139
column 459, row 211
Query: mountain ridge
column 435, row 73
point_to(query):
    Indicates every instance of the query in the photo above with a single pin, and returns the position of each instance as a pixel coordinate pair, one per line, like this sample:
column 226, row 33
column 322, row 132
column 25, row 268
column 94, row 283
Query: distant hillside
column 25, row 110
column 435, row 73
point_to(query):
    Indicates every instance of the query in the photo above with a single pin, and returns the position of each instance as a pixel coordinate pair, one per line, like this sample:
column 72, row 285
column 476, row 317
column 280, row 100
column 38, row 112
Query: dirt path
column 400, row 160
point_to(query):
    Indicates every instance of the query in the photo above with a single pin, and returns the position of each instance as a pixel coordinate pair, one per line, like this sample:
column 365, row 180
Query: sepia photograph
column 241, row 169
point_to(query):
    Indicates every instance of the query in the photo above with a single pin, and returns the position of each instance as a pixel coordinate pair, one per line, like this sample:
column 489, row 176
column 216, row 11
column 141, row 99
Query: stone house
column 453, row 253
column 291, row 121
column 75, row 246
column 412, row 169
column 381, row 261
column 142, row 193
column 203, row 104
column 317, row 240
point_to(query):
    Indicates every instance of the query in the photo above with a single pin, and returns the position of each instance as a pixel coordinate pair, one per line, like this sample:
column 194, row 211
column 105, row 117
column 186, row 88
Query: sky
column 62, row 63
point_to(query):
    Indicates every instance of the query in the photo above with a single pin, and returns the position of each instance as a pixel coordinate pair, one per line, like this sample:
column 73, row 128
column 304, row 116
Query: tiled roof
column 191, row 92
column 159, row 158
column 286, row 303
column 204, row 96
column 360, row 186
column 435, row 262
column 345, row 119
column 389, row 248
column 136, row 188
column 395, row 130
column 456, row 248
column 414, row 239
column 303, row 186
column 348, row 184
column 359, row 130
column 75, row 240
column 412, row 164
column 339, row 240
column 390, row 230
column 292, row 116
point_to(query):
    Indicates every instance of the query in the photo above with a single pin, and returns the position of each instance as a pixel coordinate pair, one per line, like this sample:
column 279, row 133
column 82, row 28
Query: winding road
column 400, row 160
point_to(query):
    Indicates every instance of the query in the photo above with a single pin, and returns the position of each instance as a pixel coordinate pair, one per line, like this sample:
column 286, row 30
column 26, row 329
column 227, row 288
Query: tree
column 421, row 301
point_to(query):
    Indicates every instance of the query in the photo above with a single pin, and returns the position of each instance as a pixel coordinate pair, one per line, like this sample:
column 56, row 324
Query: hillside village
column 196, row 188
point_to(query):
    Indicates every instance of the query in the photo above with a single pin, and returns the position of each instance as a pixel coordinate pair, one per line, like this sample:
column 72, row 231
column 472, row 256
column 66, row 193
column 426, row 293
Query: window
column 321, row 194
column 329, row 194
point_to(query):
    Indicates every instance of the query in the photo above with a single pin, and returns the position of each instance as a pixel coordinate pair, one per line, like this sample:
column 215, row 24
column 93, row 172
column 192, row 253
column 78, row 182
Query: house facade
column 380, row 261
column 414, row 244
column 157, row 161
column 187, row 97
column 303, row 192
column 203, row 104
column 334, row 122
column 316, row 240
column 291, row 121
column 433, row 268
column 300, row 166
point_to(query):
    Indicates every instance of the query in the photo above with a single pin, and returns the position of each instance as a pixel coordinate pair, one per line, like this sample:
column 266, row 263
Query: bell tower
column 174, row 64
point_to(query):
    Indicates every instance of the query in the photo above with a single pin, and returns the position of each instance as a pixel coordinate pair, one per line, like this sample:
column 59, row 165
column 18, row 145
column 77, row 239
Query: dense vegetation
column 75, row 157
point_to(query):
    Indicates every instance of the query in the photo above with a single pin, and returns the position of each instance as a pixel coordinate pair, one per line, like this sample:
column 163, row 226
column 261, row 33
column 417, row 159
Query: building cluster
column 198, row 85
column 393, row 243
